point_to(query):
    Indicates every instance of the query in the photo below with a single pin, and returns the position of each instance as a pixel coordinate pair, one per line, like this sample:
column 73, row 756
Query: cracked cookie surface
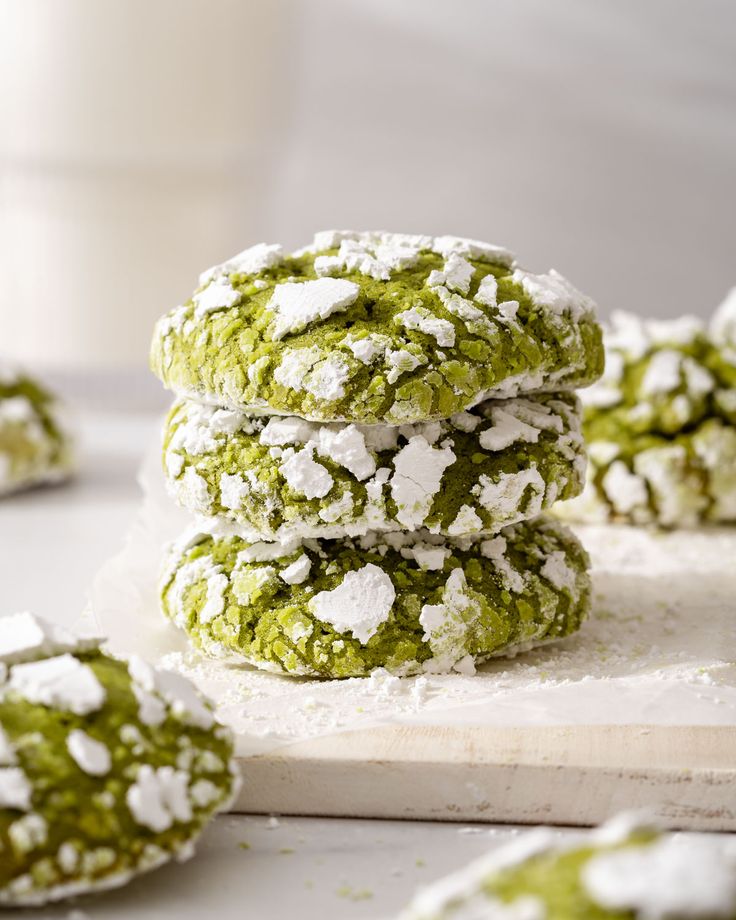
column 108, row 768
column 408, row 602
column 281, row 477
column 376, row 328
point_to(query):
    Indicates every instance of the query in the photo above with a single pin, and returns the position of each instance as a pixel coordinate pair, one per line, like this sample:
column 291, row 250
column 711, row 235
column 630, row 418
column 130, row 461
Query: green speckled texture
column 261, row 614
column 90, row 812
column 33, row 449
column 271, row 507
column 554, row 878
column 669, row 413
column 679, row 441
column 229, row 358
column 694, row 479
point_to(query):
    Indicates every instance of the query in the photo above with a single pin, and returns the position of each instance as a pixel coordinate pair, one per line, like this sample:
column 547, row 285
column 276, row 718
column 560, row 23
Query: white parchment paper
column 659, row 648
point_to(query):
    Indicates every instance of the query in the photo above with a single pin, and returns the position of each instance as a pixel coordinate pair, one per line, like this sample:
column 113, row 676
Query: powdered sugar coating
column 661, row 425
column 358, row 605
column 91, row 756
column 63, row 682
column 36, row 446
column 70, row 724
column 377, row 327
column 410, row 602
column 622, row 868
column 298, row 304
column 676, row 876
column 278, row 477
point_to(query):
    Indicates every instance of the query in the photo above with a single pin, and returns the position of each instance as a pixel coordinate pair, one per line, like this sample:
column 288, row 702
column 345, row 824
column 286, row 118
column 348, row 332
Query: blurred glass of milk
column 138, row 143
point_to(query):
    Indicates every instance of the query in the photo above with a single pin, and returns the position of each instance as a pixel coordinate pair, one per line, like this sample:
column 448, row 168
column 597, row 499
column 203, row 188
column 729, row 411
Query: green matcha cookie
column 661, row 426
column 107, row 768
column 34, row 448
column 723, row 335
column 661, row 377
column 650, row 479
column 621, row 871
column 408, row 602
column 283, row 477
column 376, row 328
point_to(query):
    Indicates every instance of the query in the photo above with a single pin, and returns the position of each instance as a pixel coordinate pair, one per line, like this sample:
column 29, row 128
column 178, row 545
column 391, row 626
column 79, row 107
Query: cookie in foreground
column 408, row 602
column 624, row 870
column 35, row 447
column 282, row 477
column 376, row 328
column 108, row 768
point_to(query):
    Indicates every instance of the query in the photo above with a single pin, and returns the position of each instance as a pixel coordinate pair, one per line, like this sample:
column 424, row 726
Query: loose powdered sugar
column 636, row 661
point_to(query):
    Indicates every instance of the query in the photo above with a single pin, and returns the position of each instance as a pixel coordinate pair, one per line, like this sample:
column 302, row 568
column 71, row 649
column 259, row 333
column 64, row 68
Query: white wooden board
column 636, row 710
column 686, row 775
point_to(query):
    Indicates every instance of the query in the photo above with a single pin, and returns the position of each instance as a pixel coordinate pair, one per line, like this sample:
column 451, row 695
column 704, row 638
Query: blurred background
column 143, row 140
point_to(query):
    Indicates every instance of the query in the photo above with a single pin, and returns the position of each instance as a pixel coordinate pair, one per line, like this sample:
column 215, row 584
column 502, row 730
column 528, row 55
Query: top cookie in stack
column 376, row 328
column 358, row 420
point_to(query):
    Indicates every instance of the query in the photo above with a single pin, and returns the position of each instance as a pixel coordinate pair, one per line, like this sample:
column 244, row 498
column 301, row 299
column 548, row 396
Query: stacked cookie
column 367, row 430
column 661, row 423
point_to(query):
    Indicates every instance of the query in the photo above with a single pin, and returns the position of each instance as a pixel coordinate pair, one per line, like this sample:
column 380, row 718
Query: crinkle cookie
column 662, row 376
column 34, row 447
column 376, row 328
column 661, row 425
column 657, row 378
column 408, row 602
column 723, row 335
column 650, row 479
column 283, row 477
column 107, row 768
column 623, row 870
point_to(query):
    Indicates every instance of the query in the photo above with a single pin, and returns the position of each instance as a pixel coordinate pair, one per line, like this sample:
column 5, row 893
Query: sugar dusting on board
column 659, row 648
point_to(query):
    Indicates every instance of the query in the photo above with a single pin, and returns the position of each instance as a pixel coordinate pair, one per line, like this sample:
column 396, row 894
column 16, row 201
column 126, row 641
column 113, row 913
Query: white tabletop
column 53, row 542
